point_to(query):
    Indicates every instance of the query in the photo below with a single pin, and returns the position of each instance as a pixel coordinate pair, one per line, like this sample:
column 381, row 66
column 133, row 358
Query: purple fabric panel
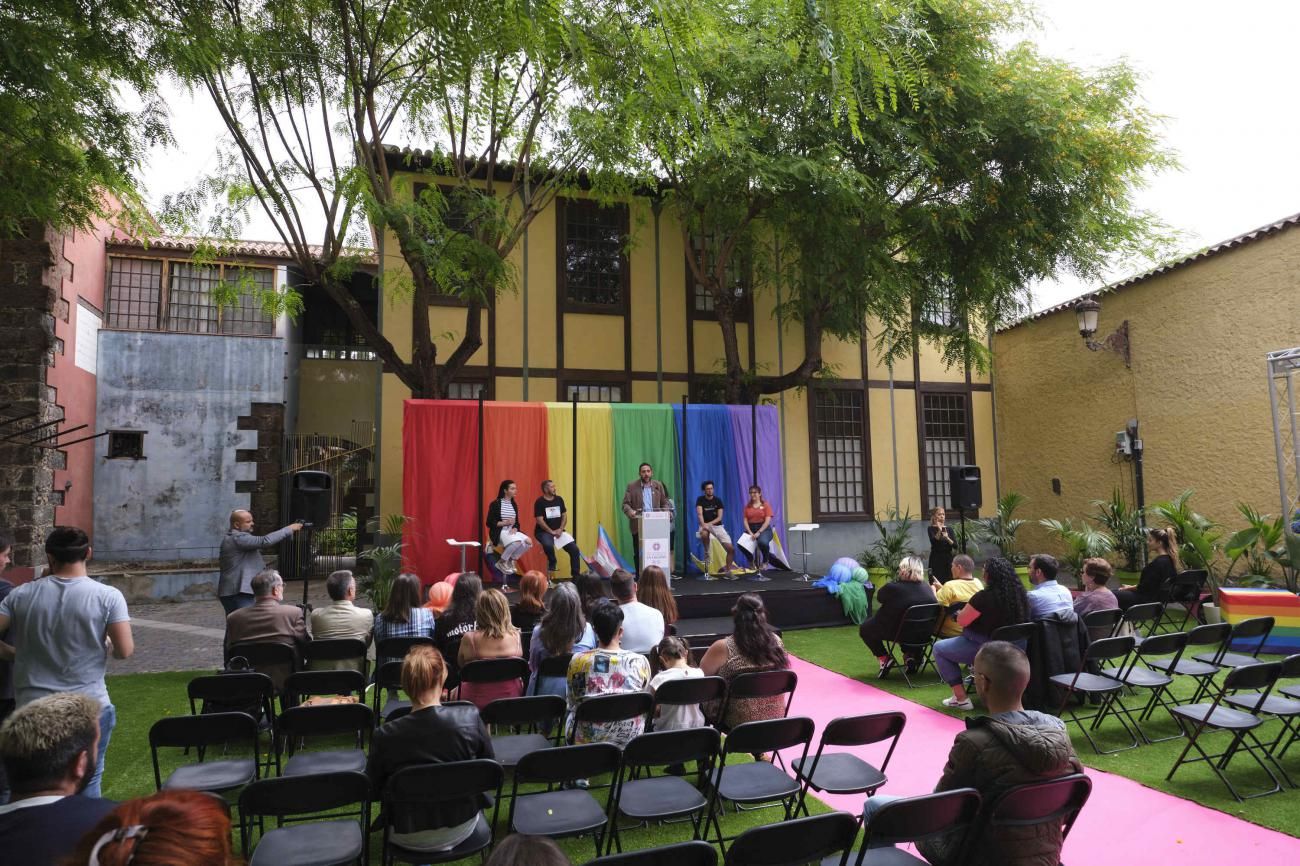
column 769, row 460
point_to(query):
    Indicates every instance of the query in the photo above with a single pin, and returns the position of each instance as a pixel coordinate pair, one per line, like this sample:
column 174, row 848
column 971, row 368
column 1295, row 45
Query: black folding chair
column 1184, row 593
column 277, row 660
column 485, row 671
column 845, row 773
column 758, row 783
column 1140, row 620
column 398, row 647
column 246, row 692
column 680, row 854
column 948, row 814
column 1281, row 703
column 337, row 649
column 607, row 709
column 555, row 666
column 1216, row 635
column 687, row 692
column 296, row 724
column 1016, row 633
column 567, row 812
column 662, row 797
column 1196, row 719
column 308, row 841
column 306, row 684
column 794, row 842
column 1147, row 677
column 528, row 717
column 1057, row 801
column 388, row 679
column 1103, row 688
column 1256, row 629
column 755, row 685
column 412, row 792
column 202, row 732
column 916, row 630
column 1102, row 623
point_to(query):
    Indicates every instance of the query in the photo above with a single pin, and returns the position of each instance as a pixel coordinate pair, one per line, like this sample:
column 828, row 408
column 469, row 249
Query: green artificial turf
column 840, row 650
column 142, row 699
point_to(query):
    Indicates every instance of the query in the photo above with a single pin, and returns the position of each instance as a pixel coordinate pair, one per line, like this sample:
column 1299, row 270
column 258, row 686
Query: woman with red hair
column 162, row 829
column 439, row 597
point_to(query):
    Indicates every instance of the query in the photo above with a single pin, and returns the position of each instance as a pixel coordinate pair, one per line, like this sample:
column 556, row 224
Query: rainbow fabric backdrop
column 1239, row 604
column 444, row 442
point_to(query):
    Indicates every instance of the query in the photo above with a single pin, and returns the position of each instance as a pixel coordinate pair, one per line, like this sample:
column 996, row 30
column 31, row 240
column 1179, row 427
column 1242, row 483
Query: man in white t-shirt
column 643, row 625
column 61, row 630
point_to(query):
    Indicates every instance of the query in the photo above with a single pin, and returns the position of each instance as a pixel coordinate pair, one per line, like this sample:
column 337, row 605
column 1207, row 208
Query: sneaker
column 911, row 666
column 886, row 665
column 505, row 566
column 954, row 704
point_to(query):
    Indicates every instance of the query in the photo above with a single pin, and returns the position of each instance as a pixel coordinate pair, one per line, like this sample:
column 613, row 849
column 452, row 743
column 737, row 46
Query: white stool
column 804, row 529
column 462, row 545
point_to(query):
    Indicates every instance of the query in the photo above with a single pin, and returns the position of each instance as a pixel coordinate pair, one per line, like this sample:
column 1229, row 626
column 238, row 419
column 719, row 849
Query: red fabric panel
column 515, row 447
column 440, row 454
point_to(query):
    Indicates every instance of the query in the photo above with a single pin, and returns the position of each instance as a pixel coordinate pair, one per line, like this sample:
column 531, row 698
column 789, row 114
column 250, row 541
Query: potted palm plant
column 1000, row 530
column 1200, row 539
column 385, row 562
column 1080, row 542
column 1124, row 523
column 882, row 556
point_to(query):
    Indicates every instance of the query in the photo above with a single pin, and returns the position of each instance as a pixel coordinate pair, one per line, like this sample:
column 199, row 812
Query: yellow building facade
column 862, row 443
column 1198, row 331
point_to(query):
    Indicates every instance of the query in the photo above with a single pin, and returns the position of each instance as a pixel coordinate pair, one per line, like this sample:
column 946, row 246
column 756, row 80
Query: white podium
column 656, row 547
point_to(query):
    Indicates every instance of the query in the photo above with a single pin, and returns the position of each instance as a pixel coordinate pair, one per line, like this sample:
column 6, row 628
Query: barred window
column 466, row 390
column 840, row 428
column 190, row 308
column 135, row 291
column 247, row 318
column 125, row 445
column 594, row 267
column 937, row 310
column 739, row 278
column 594, row 393
column 945, row 421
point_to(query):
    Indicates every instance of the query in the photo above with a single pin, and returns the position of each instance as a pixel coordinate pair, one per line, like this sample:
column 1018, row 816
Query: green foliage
column 1264, row 547
column 385, row 562
column 1000, row 529
column 339, row 540
column 1081, row 542
column 1200, row 539
column 71, row 147
column 894, row 543
column 1124, row 523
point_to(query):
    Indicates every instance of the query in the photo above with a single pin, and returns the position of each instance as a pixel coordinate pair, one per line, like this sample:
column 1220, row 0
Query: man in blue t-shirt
column 61, row 630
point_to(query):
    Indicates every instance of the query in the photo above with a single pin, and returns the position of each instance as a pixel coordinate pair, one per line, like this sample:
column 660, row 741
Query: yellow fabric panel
column 559, row 447
column 594, row 503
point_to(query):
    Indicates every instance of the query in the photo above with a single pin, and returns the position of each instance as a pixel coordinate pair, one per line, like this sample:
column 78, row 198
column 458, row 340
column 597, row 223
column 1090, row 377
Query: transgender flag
column 606, row 558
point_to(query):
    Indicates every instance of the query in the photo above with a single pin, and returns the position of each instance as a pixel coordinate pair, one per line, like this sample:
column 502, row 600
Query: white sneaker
column 506, row 567
column 954, row 704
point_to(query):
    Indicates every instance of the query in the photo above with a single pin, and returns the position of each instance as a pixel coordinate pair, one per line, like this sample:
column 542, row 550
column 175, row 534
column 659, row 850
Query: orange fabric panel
column 515, row 448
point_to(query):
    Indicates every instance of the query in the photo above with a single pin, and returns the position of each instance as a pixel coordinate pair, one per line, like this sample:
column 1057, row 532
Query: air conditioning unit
column 1122, row 443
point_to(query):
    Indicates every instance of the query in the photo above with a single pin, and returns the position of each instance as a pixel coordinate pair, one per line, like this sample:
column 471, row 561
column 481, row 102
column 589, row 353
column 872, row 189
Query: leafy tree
column 70, row 149
column 311, row 93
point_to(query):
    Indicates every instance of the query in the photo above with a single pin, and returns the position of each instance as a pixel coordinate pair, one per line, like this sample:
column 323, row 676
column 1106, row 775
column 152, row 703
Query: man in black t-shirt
column 708, row 510
column 552, row 518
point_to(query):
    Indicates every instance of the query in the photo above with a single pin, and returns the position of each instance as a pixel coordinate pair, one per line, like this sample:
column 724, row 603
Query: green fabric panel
column 643, row 433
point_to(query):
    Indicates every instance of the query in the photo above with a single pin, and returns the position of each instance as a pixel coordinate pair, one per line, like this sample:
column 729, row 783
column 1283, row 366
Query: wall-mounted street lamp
column 1086, row 312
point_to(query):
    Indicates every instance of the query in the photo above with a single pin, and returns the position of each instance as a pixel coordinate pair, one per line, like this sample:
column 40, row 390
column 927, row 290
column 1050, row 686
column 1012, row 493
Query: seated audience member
column 61, row 631
column 520, row 850
column 439, row 597
column 958, row 590
column 609, row 669
column 163, row 829
column 675, row 660
column 269, row 620
column 752, row 646
column 1048, row 597
column 493, row 637
column 643, row 626
column 1011, row 746
column 430, row 734
column 527, row 611
column 1156, row 576
column 403, row 616
column 592, row 590
column 459, row 617
column 892, row 601
column 562, row 631
column 653, row 589
column 1096, row 595
column 341, row 618
column 1003, row 601
column 48, row 747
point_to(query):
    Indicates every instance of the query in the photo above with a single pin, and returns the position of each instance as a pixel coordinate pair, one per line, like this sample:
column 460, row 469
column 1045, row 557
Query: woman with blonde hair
column 493, row 637
column 942, row 544
column 652, row 589
column 892, row 601
column 1159, row 573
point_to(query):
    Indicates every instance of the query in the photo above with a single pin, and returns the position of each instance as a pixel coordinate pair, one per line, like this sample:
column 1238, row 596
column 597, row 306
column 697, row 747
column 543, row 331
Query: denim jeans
column 951, row 653
column 107, row 720
column 762, row 545
column 547, row 541
column 235, row 602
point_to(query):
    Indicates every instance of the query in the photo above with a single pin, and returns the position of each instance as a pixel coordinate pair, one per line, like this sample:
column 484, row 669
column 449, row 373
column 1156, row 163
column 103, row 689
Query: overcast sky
column 1220, row 72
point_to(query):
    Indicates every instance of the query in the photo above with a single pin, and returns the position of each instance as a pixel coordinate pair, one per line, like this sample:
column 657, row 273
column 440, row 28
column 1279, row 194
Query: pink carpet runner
column 1122, row 820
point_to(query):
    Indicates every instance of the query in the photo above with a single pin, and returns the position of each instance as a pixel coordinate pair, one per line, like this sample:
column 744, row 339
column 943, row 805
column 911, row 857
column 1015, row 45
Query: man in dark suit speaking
column 644, row 494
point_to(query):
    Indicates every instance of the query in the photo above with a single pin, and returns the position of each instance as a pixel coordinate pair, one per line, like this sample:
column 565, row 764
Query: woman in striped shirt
column 503, row 527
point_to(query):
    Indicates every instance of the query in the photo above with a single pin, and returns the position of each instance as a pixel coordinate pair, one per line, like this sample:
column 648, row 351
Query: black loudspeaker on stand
column 966, row 492
column 311, row 501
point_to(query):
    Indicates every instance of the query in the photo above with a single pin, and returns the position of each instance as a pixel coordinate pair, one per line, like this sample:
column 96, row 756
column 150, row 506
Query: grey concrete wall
column 186, row 392
column 833, row 540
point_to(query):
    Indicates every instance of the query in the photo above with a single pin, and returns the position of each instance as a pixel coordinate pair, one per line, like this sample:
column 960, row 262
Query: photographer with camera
column 241, row 559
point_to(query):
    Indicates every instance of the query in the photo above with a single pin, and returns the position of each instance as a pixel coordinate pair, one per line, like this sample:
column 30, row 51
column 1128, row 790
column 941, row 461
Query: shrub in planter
column 1124, row 524
column 1000, row 529
column 881, row 558
column 1080, row 542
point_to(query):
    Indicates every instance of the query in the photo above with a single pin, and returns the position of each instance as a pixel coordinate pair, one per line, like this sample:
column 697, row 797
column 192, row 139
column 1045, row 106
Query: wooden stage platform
column 704, row 606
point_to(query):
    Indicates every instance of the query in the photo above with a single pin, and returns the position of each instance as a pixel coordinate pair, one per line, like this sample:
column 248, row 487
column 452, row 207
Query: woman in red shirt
column 758, row 525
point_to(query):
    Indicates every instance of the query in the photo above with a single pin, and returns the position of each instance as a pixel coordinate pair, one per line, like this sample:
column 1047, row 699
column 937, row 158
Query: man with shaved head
column 241, row 559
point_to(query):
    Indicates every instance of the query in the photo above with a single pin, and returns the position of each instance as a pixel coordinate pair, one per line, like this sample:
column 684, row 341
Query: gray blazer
column 241, row 559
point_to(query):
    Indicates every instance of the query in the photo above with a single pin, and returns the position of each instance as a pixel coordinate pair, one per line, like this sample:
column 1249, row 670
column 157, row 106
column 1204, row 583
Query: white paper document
column 563, row 540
